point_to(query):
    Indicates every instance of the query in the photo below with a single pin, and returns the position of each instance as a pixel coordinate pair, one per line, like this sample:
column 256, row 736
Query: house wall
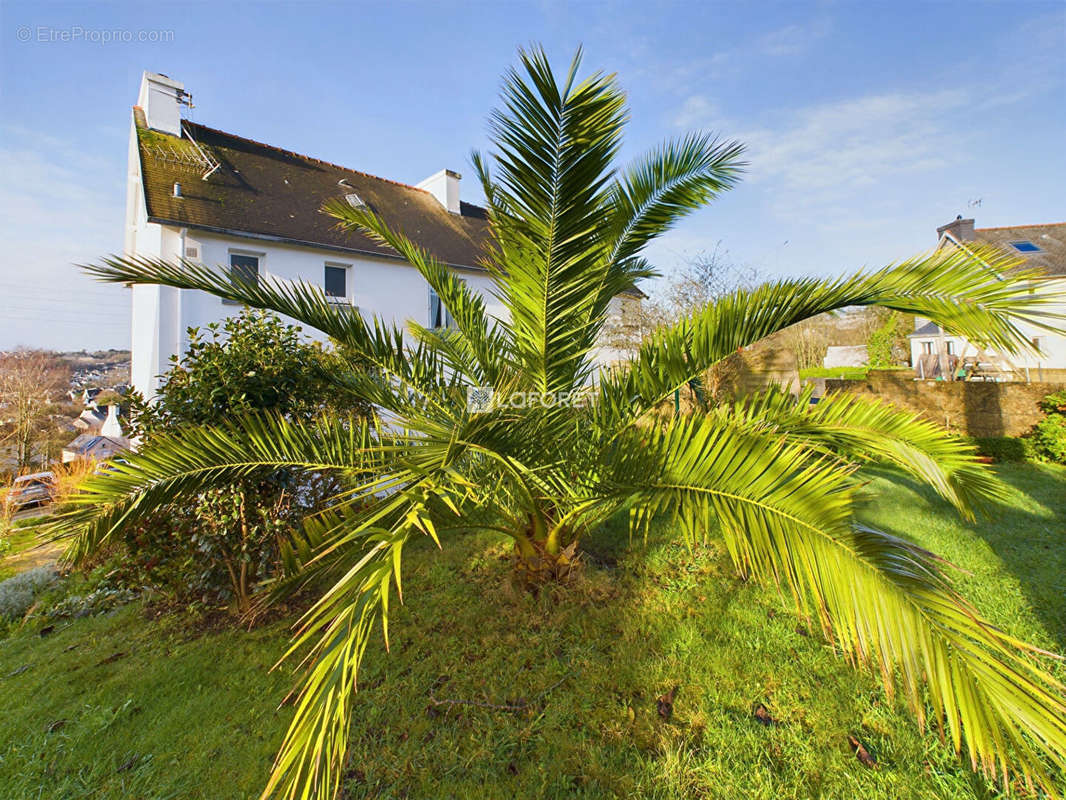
column 390, row 289
column 973, row 408
column 1052, row 344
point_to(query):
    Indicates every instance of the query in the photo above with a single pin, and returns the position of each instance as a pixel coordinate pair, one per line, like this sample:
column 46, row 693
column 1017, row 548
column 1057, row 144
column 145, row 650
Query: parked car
column 31, row 490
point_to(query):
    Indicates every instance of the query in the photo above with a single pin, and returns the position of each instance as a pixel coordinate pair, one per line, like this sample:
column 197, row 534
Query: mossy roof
column 267, row 191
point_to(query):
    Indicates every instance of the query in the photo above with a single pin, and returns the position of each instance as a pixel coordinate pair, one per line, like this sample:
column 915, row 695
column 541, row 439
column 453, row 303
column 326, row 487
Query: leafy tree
column 887, row 344
column 230, row 537
column 778, row 482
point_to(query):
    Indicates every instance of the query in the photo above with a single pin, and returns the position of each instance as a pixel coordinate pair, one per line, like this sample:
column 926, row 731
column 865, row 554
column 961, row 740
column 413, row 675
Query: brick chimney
column 444, row 186
column 961, row 230
column 162, row 98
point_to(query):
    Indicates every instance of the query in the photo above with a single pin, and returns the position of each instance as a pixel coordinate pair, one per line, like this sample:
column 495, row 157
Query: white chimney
column 111, row 426
column 162, row 98
column 444, row 186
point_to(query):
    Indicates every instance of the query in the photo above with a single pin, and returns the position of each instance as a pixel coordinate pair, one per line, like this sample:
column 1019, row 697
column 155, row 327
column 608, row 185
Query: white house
column 99, row 445
column 249, row 207
column 935, row 353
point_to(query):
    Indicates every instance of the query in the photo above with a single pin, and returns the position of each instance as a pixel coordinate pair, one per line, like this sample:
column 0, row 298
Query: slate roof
column 1051, row 239
column 276, row 193
column 86, row 442
column 928, row 329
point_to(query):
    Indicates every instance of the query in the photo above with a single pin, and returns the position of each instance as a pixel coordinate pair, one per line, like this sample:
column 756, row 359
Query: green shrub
column 1049, row 437
column 1003, row 448
column 18, row 593
column 1054, row 403
column 221, row 546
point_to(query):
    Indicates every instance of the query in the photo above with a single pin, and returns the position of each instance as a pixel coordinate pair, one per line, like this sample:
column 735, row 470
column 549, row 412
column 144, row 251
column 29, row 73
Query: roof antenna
column 212, row 165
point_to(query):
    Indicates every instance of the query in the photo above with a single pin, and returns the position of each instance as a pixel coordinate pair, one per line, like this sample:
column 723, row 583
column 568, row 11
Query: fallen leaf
column 18, row 671
column 861, row 753
column 47, row 629
column 129, row 764
column 665, row 704
column 111, row 658
column 762, row 716
column 55, row 726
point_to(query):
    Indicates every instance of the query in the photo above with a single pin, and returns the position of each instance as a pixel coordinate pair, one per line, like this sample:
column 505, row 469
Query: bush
column 1049, row 438
column 1003, row 448
column 221, row 546
column 1054, row 403
column 18, row 593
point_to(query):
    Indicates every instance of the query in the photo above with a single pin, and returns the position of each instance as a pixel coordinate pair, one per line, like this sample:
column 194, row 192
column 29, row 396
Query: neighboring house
column 91, row 419
column 93, row 447
column 209, row 196
column 935, row 354
column 101, row 445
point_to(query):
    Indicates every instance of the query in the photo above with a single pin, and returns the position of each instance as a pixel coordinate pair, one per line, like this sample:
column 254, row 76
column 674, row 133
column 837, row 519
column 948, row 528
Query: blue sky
column 868, row 124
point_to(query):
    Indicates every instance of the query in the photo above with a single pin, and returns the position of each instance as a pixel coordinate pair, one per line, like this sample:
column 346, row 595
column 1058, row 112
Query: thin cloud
column 793, row 40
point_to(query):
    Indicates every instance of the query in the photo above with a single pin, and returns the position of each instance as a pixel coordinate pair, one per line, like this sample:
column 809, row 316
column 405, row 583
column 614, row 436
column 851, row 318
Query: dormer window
column 1025, row 247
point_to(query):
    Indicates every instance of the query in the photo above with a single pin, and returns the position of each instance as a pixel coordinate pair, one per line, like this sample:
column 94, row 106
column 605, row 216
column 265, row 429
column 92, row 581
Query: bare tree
column 701, row 280
column 29, row 382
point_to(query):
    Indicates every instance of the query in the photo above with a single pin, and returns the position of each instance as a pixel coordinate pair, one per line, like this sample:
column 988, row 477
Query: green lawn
column 182, row 713
column 19, row 540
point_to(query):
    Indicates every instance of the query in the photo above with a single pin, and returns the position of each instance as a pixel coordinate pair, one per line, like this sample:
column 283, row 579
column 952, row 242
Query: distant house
column 90, row 420
column 254, row 210
column 108, row 442
column 937, row 354
column 93, row 447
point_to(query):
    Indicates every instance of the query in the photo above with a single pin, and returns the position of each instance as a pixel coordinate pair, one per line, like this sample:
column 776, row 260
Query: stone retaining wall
column 969, row 407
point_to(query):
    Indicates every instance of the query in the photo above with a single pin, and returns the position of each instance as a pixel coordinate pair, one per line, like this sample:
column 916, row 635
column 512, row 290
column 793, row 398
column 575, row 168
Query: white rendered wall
column 1052, row 344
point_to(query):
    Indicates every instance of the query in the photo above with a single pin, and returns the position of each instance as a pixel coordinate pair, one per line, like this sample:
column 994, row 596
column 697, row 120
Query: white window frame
column 927, row 348
column 346, row 298
column 260, row 257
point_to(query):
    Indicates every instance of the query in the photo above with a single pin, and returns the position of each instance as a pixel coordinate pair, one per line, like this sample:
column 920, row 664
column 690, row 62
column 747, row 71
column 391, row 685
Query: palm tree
column 774, row 479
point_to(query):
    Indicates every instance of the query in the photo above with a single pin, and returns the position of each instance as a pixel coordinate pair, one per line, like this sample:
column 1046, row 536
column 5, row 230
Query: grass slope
column 194, row 715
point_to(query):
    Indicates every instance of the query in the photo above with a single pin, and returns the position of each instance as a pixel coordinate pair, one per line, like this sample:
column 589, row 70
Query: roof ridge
column 1030, row 225
column 301, row 155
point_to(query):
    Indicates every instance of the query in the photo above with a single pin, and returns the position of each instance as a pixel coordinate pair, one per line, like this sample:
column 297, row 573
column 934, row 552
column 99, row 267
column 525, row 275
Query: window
column 336, row 281
column 1038, row 343
column 951, row 348
column 927, row 348
column 243, row 267
column 1025, row 247
column 438, row 314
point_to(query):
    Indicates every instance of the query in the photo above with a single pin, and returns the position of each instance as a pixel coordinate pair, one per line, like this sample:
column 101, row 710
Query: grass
column 847, row 373
column 183, row 713
column 19, row 540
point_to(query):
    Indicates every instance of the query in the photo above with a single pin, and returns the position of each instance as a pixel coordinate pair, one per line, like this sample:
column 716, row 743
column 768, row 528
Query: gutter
column 266, row 237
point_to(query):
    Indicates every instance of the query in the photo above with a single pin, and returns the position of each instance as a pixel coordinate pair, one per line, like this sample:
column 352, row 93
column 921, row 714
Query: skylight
column 1025, row 247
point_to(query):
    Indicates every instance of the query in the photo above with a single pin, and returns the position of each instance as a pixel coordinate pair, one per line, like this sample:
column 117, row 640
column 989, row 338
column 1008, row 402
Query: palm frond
column 666, row 185
column 857, row 428
column 191, row 460
column 981, row 294
column 481, row 349
column 549, row 207
column 785, row 516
